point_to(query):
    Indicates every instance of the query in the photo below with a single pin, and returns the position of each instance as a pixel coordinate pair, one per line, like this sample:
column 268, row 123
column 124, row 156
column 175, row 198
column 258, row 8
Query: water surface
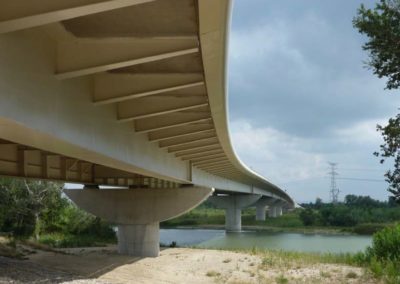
column 203, row 238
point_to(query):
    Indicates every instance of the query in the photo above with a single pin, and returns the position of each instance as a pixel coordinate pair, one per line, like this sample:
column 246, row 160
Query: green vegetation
column 38, row 210
column 281, row 279
column 382, row 27
column 357, row 214
column 383, row 257
column 213, row 273
column 207, row 215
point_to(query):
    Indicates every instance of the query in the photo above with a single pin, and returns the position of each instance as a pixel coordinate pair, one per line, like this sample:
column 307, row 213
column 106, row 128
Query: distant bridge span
column 128, row 93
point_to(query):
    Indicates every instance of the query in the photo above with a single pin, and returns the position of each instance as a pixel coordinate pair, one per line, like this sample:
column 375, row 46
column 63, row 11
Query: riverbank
column 211, row 218
column 272, row 229
column 177, row 265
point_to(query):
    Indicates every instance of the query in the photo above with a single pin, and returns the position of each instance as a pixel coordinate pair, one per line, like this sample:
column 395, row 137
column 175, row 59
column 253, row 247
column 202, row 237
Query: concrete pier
column 233, row 205
column 261, row 205
column 272, row 211
column 138, row 212
column 260, row 213
column 275, row 209
column 139, row 240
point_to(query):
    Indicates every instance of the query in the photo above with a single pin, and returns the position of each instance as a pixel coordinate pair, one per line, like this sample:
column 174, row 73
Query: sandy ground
column 175, row 265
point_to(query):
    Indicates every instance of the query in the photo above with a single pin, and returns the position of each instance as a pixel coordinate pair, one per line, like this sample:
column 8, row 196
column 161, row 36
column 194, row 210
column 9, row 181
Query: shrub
column 368, row 229
column 308, row 217
column 383, row 257
column 386, row 244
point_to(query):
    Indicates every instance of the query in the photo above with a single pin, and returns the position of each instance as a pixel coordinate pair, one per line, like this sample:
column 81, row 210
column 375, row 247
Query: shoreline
column 306, row 231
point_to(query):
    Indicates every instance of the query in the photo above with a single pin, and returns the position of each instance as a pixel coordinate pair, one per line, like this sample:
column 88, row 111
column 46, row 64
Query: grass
column 213, row 273
column 351, row 275
column 325, row 274
column 281, row 279
column 68, row 241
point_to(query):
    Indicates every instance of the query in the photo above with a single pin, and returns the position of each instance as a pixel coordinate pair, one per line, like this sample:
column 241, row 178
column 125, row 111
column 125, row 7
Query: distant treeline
column 355, row 210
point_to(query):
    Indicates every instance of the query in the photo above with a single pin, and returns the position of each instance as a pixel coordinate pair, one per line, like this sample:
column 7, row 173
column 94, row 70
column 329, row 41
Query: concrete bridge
column 130, row 94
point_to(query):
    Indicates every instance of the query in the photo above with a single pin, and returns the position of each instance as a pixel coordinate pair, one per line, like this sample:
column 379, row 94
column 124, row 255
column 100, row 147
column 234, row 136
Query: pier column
column 261, row 205
column 138, row 212
column 260, row 213
column 272, row 211
column 275, row 209
column 233, row 205
column 278, row 211
column 139, row 240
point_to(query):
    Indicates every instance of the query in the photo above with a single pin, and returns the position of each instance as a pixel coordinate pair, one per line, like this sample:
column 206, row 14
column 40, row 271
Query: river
column 320, row 243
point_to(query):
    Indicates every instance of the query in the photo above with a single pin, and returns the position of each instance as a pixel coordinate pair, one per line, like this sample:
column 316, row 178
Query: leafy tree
column 308, row 216
column 25, row 206
column 382, row 26
column 318, row 203
column 362, row 201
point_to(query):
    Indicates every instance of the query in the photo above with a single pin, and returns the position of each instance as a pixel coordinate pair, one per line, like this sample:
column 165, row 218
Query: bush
column 368, row 229
column 309, row 217
column 386, row 244
column 383, row 257
column 69, row 241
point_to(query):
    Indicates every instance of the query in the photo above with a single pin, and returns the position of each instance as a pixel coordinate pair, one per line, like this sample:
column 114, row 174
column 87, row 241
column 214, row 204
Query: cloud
column 300, row 165
column 302, row 73
column 270, row 151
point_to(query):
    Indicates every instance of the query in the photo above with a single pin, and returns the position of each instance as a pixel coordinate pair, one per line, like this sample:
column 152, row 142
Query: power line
column 362, row 170
column 334, row 191
column 362, row 179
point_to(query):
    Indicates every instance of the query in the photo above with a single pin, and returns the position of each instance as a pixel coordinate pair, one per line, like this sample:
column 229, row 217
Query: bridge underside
column 127, row 93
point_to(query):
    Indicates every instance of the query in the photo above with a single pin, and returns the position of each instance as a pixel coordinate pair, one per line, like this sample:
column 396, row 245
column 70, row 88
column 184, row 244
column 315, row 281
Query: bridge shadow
column 68, row 265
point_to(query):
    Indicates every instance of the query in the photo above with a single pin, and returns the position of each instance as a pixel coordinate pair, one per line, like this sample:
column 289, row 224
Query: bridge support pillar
column 139, row 240
column 278, row 211
column 275, row 209
column 271, row 212
column 233, row 205
column 261, row 205
column 138, row 212
column 260, row 213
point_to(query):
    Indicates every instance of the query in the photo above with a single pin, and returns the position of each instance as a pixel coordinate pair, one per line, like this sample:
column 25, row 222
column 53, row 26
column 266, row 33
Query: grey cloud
column 312, row 80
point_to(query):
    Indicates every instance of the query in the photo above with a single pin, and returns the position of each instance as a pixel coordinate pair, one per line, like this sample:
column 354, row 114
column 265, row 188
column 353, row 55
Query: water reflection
column 263, row 239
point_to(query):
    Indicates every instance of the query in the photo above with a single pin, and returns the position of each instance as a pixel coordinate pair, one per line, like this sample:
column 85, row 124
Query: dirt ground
column 175, row 265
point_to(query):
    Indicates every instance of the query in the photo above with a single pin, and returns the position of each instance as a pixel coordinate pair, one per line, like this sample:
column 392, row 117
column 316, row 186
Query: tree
column 382, row 26
column 308, row 216
column 25, row 205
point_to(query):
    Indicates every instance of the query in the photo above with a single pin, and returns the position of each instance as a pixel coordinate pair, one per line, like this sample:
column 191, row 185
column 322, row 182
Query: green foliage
column 35, row 208
column 309, row 217
column 360, row 214
column 383, row 257
column 386, row 244
column 57, row 240
column 199, row 216
column 364, row 214
column 368, row 228
column 390, row 149
column 24, row 205
column 287, row 220
column 382, row 27
column 281, row 279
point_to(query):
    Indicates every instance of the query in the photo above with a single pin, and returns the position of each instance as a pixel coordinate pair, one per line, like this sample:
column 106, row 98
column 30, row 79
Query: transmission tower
column 334, row 191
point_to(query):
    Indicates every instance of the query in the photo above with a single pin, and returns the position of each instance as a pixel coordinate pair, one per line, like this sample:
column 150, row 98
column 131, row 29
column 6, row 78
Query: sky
column 300, row 96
